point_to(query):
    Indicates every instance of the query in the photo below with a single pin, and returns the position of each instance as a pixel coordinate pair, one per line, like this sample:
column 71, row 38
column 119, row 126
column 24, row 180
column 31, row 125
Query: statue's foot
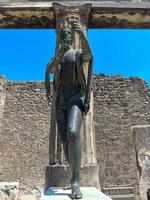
column 67, row 187
column 75, row 192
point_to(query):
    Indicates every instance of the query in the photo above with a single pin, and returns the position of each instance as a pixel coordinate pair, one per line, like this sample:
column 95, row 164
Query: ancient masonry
column 104, row 13
column 122, row 127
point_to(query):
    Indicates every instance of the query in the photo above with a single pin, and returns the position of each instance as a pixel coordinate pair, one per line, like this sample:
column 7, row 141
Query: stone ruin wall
column 24, row 135
column 119, row 104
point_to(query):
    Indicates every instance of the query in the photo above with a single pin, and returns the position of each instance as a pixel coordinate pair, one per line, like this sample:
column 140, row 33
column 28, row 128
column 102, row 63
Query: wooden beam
column 28, row 14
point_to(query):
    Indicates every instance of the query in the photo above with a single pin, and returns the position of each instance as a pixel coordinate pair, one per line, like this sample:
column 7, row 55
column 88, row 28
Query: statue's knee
column 73, row 135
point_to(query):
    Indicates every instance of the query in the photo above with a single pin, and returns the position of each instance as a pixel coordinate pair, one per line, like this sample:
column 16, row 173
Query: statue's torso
column 68, row 70
column 68, row 76
column 70, row 89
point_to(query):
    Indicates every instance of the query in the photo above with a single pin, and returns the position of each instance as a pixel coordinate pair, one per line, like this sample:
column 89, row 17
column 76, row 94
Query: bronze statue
column 73, row 96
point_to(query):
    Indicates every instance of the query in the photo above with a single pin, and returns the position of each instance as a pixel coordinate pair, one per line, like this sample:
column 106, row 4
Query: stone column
column 57, row 172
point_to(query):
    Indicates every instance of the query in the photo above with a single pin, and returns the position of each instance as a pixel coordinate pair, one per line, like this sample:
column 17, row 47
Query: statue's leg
column 74, row 121
column 61, row 118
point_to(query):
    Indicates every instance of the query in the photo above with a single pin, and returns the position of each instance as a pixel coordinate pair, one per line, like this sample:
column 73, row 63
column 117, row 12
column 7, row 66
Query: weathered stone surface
column 25, row 135
column 27, row 197
column 9, row 190
column 110, row 14
column 3, row 84
column 119, row 104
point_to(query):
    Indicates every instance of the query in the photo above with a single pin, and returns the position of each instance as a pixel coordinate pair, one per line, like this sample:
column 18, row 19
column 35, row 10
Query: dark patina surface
column 73, row 96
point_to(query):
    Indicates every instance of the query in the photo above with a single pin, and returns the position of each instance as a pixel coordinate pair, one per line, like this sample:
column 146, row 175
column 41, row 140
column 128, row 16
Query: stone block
column 126, row 190
column 89, row 193
column 120, row 190
column 123, row 197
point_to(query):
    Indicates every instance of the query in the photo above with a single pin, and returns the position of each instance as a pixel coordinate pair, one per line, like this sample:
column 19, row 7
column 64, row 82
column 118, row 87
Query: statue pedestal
column 59, row 176
column 89, row 193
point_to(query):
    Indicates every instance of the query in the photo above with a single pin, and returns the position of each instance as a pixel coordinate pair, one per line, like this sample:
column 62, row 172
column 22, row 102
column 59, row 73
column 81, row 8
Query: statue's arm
column 53, row 67
column 86, row 51
column 50, row 68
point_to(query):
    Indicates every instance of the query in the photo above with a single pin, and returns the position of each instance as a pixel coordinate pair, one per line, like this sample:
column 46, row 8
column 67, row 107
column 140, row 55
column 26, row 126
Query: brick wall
column 119, row 104
column 25, row 135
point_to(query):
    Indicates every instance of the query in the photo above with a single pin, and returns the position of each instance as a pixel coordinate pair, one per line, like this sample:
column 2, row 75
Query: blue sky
column 25, row 53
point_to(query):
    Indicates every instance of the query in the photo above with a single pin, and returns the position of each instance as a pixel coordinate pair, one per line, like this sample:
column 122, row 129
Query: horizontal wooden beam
column 104, row 14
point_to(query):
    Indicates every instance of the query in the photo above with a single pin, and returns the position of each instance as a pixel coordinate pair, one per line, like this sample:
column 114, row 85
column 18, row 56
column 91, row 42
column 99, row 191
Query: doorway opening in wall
column 25, row 53
column 148, row 194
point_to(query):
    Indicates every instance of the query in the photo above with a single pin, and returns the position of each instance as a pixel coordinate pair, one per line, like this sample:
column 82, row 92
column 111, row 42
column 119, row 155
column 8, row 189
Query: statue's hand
column 77, row 27
column 64, row 48
column 51, row 66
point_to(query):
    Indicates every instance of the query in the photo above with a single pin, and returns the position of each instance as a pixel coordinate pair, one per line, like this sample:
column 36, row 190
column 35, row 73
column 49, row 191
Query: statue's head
column 66, row 36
